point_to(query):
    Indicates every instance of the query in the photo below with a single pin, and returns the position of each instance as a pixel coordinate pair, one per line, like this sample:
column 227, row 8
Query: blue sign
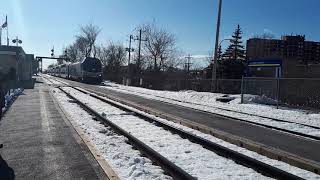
column 265, row 63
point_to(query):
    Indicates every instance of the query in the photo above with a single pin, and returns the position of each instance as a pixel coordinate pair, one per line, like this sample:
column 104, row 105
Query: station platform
column 40, row 143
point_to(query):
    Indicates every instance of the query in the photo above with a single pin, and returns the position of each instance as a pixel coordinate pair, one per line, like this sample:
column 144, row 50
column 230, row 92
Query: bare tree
column 72, row 53
column 84, row 44
column 175, row 60
column 114, row 55
column 100, row 52
column 87, row 38
column 160, row 45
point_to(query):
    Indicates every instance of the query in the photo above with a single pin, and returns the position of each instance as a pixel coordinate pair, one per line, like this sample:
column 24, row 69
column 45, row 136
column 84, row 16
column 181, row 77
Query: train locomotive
column 89, row 70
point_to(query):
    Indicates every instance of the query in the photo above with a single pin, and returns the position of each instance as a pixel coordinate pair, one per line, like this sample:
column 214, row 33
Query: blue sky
column 42, row 24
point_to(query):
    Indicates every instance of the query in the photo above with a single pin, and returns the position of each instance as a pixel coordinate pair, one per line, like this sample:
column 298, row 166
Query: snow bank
column 9, row 98
column 255, row 99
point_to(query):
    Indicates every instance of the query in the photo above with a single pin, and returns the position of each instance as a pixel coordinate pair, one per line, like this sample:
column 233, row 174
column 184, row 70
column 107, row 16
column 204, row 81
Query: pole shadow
column 6, row 172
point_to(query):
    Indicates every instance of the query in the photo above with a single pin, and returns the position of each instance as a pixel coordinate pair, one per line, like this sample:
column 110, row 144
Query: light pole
column 214, row 60
column 216, row 66
column 223, row 41
column 17, row 41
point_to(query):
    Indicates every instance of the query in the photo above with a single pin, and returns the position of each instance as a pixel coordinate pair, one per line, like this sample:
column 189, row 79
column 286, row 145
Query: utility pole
column 139, row 38
column 188, row 63
column 187, row 68
column 129, row 49
column 214, row 60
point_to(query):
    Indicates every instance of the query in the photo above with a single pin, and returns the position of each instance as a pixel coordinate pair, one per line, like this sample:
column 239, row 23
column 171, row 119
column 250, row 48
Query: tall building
column 290, row 56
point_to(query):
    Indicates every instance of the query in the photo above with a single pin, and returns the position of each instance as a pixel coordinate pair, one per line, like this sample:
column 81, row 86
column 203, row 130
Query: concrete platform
column 39, row 143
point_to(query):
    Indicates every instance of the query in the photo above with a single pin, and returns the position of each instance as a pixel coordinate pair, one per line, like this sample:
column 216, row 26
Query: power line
column 139, row 38
column 129, row 49
column 188, row 63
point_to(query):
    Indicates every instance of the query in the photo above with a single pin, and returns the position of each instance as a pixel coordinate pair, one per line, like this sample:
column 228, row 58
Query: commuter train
column 89, row 70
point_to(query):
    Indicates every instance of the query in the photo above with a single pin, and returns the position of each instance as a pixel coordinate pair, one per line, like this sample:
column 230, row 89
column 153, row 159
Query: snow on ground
column 52, row 80
column 58, row 80
column 55, row 82
column 125, row 161
column 193, row 158
column 121, row 118
column 207, row 101
column 9, row 98
column 46, row 80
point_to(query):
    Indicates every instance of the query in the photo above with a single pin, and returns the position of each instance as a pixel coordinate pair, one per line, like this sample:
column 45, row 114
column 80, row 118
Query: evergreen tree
column 235, row 51
column 219, row 53
column 232, row 62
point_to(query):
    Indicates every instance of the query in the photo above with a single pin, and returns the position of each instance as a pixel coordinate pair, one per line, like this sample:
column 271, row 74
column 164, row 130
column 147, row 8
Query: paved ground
column 307, row 149
column 40, row 144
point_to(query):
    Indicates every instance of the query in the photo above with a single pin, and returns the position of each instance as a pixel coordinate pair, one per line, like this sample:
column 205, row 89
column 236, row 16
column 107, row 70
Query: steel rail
column 298, row 134
column 175, row 171
column 239, row 158
column 317, row 138
column 224, row 109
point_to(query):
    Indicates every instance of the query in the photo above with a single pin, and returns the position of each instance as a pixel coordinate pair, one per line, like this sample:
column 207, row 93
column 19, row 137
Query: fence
column 285, row 91
column 274, row 91
column 227, row 86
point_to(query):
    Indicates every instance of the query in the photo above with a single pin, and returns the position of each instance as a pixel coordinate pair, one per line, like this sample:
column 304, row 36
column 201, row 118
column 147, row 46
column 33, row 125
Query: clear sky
column 42, row 24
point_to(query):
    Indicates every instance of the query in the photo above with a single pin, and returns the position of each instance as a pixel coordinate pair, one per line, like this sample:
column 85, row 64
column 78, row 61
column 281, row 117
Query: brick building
column 294, row 57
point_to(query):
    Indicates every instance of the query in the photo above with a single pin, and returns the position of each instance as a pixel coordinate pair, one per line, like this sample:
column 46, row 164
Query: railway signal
column 52, row 52
column 17, row 41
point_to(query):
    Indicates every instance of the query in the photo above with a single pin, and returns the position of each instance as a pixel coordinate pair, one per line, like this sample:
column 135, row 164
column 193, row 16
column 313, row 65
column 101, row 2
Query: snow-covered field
column 207, row 102
column 191, row 157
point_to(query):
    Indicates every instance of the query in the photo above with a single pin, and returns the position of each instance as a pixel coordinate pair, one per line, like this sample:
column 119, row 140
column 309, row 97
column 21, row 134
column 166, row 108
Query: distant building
column 290, row 56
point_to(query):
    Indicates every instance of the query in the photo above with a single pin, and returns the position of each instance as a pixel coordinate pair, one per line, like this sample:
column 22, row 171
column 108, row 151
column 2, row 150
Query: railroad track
column 295, row 133
column 273, row 155
column 168, row 166
column 225, row 109
column 308, row 136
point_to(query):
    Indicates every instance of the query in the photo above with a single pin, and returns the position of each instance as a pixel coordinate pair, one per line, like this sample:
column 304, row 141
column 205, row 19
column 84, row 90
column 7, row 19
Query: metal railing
column 281, row 91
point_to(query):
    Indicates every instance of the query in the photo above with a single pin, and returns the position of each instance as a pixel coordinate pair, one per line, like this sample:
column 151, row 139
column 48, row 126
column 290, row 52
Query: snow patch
column 9, row 98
